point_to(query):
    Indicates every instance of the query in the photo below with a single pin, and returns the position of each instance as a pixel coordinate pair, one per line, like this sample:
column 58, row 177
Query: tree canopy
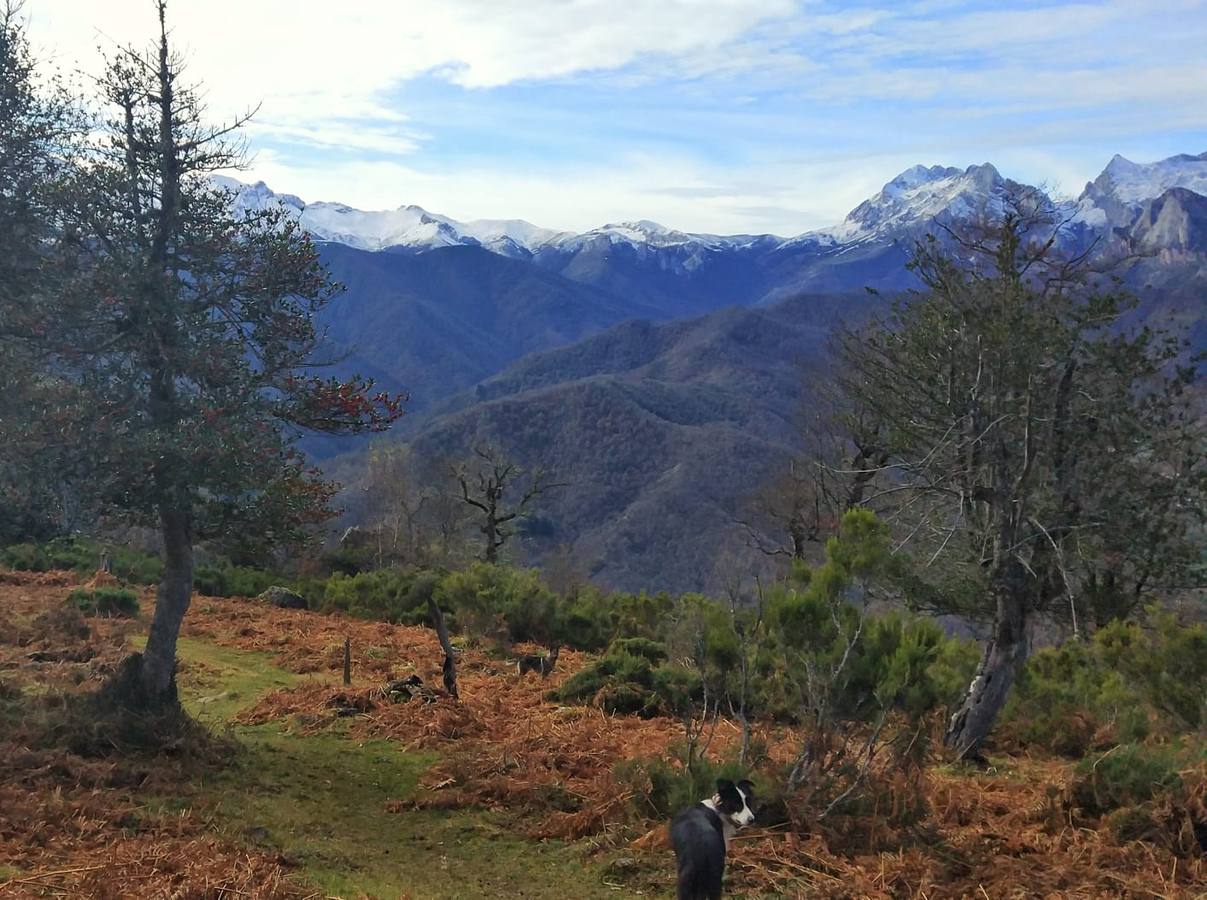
column 1036, row 455
column 179, row 350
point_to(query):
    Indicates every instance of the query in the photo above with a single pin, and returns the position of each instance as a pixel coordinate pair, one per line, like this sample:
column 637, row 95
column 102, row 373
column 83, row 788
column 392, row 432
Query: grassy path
column 320, row 799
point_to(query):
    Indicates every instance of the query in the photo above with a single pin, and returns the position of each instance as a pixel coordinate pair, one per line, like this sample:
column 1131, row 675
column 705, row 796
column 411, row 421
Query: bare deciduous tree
column 488, row 483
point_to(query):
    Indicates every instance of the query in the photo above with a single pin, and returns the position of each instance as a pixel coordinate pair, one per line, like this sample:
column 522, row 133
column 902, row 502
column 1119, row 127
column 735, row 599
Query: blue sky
column 706, row 115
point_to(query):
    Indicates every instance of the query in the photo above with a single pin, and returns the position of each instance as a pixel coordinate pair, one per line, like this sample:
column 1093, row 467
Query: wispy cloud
column 721, row 115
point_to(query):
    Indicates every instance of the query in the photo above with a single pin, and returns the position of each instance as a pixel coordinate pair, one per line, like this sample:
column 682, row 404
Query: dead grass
column 71, row 826
column 1005, row 833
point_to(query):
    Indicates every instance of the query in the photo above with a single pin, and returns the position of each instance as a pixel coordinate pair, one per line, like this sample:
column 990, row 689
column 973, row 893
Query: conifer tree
column 39, row 134
column 1034, row 451
column 184, row 342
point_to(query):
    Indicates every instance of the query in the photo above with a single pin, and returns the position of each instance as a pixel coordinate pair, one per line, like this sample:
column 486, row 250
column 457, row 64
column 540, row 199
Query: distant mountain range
column 659, row 371
column 914, row 198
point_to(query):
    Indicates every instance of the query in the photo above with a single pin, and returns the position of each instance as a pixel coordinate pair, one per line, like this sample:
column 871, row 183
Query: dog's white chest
column 727, row 827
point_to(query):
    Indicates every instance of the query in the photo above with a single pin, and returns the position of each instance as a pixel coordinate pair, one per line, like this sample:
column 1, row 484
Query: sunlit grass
column 320, row 799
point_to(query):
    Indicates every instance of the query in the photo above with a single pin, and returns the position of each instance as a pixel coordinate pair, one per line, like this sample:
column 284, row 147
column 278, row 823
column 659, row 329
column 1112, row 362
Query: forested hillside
column 371, row 554
column 662, row 434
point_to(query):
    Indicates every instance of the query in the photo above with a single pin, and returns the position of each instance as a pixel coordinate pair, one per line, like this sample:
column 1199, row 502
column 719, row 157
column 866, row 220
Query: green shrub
column 1125, row 776
column 1055, row 701
column 385, row 595
column 617, row 682
column 675, row 689
column 501, row 603
column 623, row 682
column 116, row 602
column 652, row 651
column 615, row 668
column 623, row 698
column 232, row 581
column 641, row 615
column 1133, row 823
column 953, row 668
column 1166, row 662
column 661, row 789
column 877, row 662
column 26, row 557
column 83, row 556
column 1127, row 681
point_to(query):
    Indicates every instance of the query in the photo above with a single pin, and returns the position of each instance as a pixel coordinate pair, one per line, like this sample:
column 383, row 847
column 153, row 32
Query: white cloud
column 786, row 198
column 795, row 109
column 305, row 56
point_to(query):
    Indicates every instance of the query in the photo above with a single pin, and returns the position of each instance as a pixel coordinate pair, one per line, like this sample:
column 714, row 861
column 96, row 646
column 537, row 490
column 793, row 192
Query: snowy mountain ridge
column 910, row 201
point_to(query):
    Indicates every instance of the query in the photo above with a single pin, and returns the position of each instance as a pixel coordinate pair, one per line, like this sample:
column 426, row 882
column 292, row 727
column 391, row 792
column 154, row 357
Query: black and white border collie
column 701, row 833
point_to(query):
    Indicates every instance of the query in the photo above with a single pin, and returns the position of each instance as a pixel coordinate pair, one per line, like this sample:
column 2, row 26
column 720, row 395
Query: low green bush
column 384, row 595
column 660, row 789
column 1130, row 681
column 610, row 670
column 232, row 581
column 84, row 557
column 114, row 602
column 501, row 603
column 592, row 619
column 1165, row 661
column 1125, row 776
column 626, row 683
column 651, row 651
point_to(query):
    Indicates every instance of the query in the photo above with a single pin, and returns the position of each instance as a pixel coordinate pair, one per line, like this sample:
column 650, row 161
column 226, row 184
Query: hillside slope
column 660, row 432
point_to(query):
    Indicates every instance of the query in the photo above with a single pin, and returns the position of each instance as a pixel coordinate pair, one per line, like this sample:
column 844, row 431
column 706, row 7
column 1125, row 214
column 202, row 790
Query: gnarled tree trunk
column 449, row 669
column 1004, row 654
column 158, row 674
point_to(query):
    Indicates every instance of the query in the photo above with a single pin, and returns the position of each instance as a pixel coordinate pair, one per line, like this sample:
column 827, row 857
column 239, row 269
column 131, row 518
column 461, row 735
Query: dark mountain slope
column 660, row 430
column 681, row 280
column 441, row 321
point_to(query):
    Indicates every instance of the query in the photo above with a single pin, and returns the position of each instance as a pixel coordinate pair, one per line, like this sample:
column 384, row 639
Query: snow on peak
column 919, row 195
column 1130, row 184
column 915, row 176
column 645, row 233
column 910, row 201
column 499, row 231
column 408, row 226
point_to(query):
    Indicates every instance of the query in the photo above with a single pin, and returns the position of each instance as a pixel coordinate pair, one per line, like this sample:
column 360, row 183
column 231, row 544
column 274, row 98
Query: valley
column 667, row 376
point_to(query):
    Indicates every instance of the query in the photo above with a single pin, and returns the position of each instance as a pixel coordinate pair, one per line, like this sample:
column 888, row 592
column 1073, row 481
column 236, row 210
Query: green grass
column 217, row 683
column 320, row 799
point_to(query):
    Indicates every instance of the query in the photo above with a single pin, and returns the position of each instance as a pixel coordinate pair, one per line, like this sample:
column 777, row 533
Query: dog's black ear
column 746, row 787
column 723, row 785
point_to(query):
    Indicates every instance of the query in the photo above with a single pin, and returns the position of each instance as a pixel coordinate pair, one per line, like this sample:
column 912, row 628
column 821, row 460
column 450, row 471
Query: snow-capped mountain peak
column 915, row 176
column 407, row 226
column 911, row 201
column 1117, row 195
column 1136, row 182
column 918, row 196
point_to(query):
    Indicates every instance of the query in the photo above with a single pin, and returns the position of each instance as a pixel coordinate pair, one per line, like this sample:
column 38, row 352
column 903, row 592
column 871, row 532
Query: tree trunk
column 449, row 669
column 1004, row 654
column 491, row 530
column 158, row 674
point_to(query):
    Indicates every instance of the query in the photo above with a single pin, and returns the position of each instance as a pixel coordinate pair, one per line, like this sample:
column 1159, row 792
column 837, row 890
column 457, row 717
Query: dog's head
column 735, row 801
